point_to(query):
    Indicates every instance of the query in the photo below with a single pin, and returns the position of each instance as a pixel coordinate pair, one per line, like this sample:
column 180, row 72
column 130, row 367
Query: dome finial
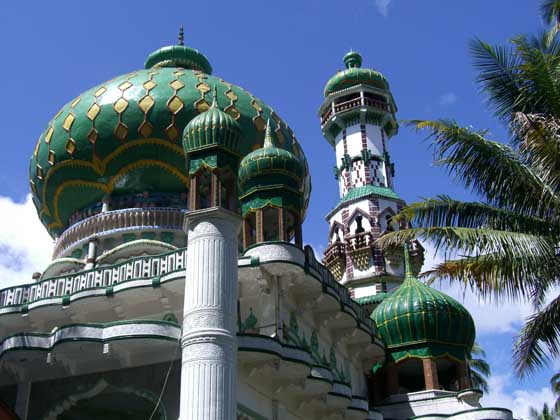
column 269, row 137
column 181, row 37
column 215, row 99
column 407, row 267
column 352, row 59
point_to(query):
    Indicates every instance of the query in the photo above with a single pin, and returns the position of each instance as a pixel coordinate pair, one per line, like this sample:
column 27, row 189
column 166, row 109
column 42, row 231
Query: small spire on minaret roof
column 269, row 137
column 181, row 37
column 407, row 266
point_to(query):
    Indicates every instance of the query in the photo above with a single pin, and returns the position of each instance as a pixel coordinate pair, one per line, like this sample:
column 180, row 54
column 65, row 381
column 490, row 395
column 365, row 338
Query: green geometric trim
column 367, row 300
column 356, row 193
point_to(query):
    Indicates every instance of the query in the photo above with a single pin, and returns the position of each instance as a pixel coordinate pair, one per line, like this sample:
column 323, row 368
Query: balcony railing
column 359, row 241
column 354, row 103
column 118, row 220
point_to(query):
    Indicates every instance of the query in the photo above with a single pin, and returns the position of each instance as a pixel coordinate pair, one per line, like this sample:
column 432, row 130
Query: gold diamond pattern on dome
column 121, row 131
column 124, row 86
column 48, row 135
column 280, row 136
column 93, row 111
column 175, row 104
column 203, row 88
column 39, row 172
column 145, row 129
column 177, row 84
column 51, row 158
column 233, row 112
column 68, row 121
column 231, row 95
column 149, row 85
column 256, row 105
column 201, row 105
column 100, row 91
column 146, row 103
column 172, row 132
column 120, row 105
column 75, row 102
column 259, row 122
column 33, row 187
column 70, row 146
column 92, row 136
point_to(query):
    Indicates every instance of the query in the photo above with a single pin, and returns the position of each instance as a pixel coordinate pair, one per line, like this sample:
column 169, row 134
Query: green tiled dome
column 123, row 137
column 270, row 165
column 211, row 129
column 418, row 321
column 354, row 75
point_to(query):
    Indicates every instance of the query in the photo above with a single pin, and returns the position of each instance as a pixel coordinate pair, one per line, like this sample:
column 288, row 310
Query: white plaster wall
column 251, row 398
column 374, row 139
column 364, row 291
column 354, row 140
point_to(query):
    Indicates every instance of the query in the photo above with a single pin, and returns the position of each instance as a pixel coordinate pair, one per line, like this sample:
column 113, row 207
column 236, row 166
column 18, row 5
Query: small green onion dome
column 354, row 75
column 213, row 128
column 418, row 321
column 179, row 56
column 270, row 165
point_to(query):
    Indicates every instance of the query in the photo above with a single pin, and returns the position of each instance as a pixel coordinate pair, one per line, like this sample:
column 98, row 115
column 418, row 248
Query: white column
column 209, row 360
column 92, row 253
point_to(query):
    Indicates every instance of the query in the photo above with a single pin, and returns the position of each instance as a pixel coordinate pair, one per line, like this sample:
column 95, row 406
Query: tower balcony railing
column 337, row 108
column 118, row 220
column 359, row 241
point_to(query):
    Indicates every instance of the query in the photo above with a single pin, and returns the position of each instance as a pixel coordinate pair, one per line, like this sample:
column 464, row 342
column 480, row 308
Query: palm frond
column 479, row 381
column 555, row 385
column 539, row 339
column 488, row 168
column 539, row 91
column 538, row 138
column 444, row 211
column 499, row 275
column 498, row 76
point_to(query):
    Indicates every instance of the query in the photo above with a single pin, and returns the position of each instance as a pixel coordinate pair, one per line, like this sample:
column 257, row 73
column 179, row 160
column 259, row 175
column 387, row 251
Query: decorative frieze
column 103, row 277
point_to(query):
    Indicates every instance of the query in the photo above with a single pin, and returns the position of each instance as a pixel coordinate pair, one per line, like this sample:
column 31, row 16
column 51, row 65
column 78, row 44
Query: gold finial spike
column 407, row 267
column 269, row 137
column 181, row 37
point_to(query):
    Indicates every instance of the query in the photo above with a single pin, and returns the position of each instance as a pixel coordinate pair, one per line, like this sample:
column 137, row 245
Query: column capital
column 193, row 217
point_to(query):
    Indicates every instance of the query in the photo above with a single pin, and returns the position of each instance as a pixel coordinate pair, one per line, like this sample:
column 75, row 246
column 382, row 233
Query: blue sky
column 283, row 52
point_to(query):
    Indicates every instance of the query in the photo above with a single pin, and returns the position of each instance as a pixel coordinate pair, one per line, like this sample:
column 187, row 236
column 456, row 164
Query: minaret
column 358, row 119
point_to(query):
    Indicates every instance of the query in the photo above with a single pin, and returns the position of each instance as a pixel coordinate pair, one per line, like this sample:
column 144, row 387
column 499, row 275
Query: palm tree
column 555, row 385
column 506, row 245
column 480, row 369
column 545, row 414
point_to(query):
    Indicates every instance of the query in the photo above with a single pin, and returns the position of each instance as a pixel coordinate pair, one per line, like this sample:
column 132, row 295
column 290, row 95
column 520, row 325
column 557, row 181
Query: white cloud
column 448, row 98
column 25, row 245
column 383, row 7
column 519, row 400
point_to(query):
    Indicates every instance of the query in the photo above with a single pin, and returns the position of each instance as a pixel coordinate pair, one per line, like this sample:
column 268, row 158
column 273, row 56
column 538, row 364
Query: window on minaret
column 204, row 189
column 270, row 224
column 359, row 228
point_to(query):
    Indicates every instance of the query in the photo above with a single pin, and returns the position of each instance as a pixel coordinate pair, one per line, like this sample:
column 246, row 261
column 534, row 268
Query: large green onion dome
column 212, row 129
column 123, row 137
column 354, row 75
column 418, row 321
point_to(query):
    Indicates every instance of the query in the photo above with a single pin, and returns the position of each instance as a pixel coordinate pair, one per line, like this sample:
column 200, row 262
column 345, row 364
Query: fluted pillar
column 209, row 358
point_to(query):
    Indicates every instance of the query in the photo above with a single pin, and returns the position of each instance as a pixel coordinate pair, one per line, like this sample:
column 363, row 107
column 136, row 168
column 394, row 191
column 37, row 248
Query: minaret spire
column 215, row 99
column 407, row 266
column 269, row 137
column 181, row 37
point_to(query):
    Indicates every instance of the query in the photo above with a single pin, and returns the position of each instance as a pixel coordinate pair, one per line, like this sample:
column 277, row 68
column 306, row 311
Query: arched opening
column 250, row 230
column 270, row 226
column 411, row 376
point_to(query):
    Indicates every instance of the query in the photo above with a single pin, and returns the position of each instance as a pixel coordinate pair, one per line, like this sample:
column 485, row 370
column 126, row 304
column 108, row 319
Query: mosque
column 179, row 286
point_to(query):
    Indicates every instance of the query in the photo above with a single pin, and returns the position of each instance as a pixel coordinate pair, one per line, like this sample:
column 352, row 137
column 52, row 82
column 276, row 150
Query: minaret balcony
column 353, row 104
column 335, row 259
column 360, row 246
